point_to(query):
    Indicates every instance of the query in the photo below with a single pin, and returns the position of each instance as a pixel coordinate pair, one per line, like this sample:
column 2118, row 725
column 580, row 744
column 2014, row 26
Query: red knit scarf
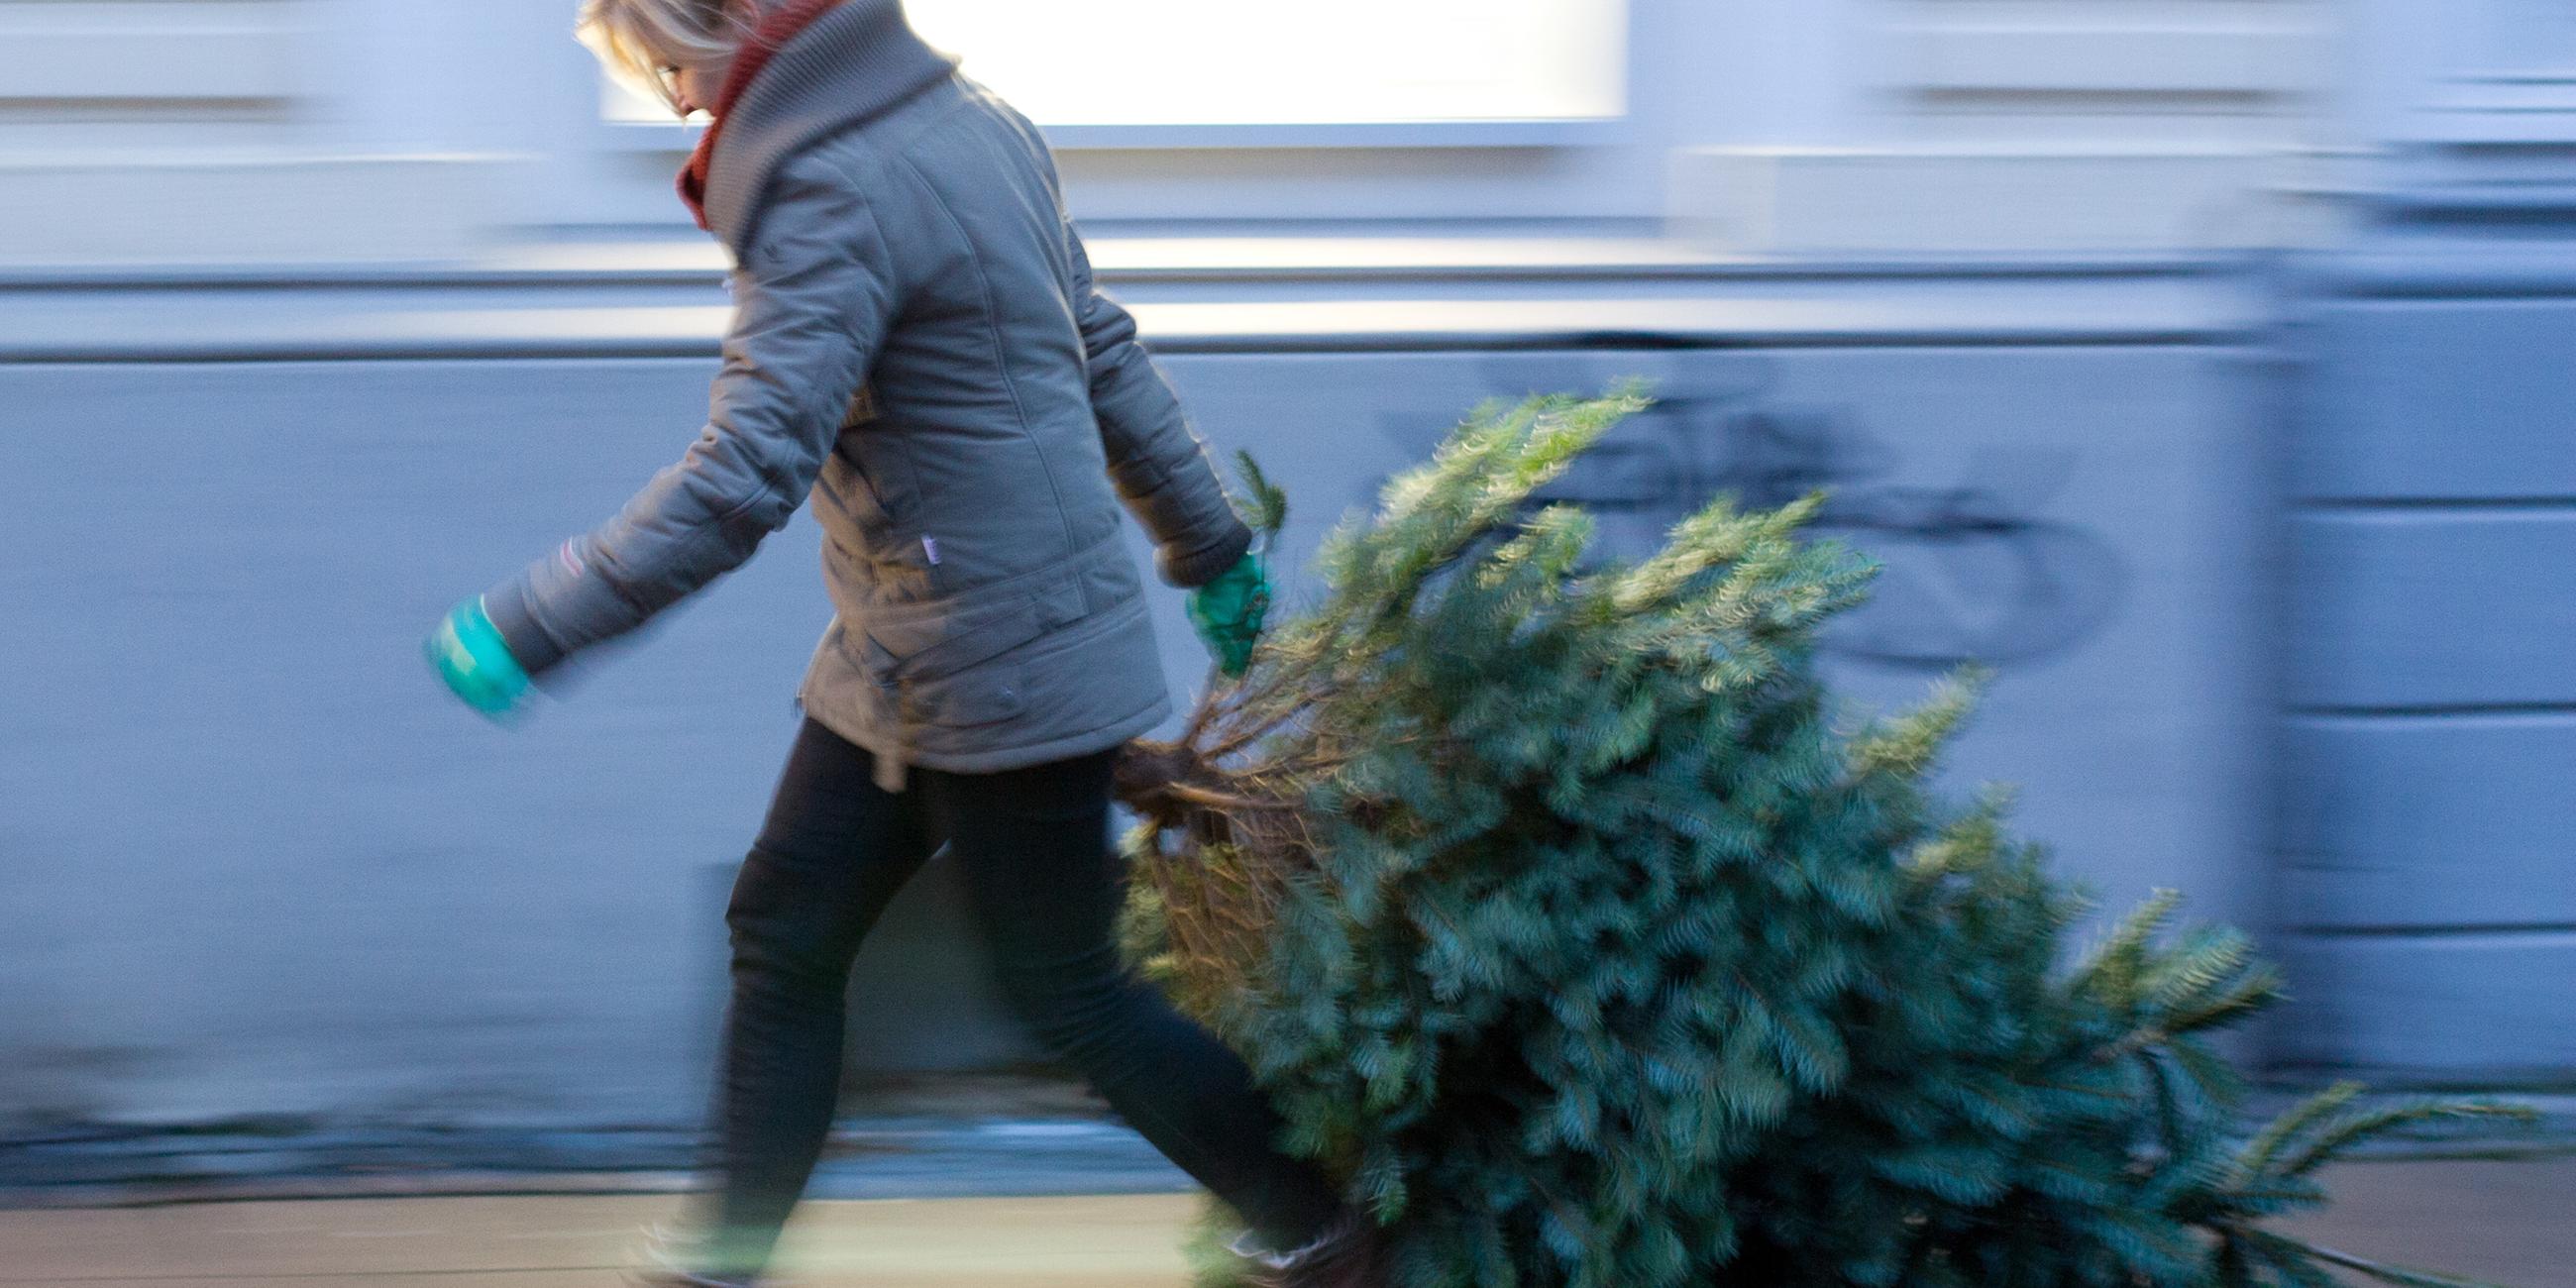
column 774, row 32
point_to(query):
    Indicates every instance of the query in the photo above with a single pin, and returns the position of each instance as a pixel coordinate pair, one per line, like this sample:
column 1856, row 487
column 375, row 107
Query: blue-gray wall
column 253, row 861
column 2430, row 794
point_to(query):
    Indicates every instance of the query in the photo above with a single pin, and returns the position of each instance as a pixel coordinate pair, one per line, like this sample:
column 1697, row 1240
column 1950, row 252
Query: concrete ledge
column 1130, row 256
column 686, row 318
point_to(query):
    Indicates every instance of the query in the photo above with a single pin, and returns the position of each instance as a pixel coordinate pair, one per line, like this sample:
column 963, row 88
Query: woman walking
column 918, row 344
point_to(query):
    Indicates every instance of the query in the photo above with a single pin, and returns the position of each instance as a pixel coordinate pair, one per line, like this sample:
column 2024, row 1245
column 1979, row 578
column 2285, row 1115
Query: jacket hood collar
column 855, row 61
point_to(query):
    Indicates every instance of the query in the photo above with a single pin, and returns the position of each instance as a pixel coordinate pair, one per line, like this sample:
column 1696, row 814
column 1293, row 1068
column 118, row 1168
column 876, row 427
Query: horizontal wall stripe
column 2414, row 610
column 2439, row 400
column 2404, row 931
column 2429, row 826
column 2435, row 711
column 2504, row 504
column 2483, row 1007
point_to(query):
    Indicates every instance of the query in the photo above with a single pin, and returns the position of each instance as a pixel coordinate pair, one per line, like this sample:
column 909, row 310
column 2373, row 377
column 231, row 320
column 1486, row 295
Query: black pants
column 1045, row 886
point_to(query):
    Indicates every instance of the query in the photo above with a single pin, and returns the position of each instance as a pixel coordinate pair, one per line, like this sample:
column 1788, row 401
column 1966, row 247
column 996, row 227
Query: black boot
column 1350, row 1253
column 667, row 1258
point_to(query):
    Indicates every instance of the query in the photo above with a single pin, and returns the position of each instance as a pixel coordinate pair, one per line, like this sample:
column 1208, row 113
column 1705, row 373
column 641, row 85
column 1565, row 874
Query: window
column 1298, row 62
column 1223, row 71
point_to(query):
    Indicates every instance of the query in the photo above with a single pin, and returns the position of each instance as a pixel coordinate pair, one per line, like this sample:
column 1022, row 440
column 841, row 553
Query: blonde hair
column 636, row 39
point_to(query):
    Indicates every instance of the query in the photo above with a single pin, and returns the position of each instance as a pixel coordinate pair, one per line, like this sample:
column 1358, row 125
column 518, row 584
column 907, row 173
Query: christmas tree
column 1561, row 910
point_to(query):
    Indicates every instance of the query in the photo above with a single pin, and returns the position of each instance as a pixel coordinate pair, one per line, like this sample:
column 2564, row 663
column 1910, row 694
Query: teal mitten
column 467, row 651
column 1228, row 612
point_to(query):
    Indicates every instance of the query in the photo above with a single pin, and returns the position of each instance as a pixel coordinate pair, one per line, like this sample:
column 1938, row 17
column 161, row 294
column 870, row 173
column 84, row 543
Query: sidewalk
column 535, row 1242
column 2511, row 1222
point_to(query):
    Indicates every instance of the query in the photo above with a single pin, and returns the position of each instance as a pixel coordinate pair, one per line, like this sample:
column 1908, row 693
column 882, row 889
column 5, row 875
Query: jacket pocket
column 946, row 666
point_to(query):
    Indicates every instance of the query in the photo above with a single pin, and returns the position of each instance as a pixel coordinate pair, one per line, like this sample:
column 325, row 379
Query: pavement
column 2511, row 1222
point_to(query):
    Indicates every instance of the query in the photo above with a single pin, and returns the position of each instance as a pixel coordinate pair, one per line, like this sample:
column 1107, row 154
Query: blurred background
column 2201, row 364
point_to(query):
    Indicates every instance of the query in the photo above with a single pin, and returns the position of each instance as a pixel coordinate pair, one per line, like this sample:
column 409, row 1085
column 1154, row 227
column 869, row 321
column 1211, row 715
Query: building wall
column 2432, row 708
column 2425, row 884
column 277, row 385
column 257, row 863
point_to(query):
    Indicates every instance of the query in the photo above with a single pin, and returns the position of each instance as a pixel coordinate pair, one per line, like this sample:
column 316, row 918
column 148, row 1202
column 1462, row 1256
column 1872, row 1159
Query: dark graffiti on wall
column 1974, row 570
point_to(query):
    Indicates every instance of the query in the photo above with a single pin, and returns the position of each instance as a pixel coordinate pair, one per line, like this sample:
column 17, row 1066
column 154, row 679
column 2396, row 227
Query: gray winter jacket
column 919, row 345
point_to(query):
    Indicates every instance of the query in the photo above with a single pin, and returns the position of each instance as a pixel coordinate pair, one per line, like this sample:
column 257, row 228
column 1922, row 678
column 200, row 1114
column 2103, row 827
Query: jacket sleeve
column 1161, row 468
column 814, row 296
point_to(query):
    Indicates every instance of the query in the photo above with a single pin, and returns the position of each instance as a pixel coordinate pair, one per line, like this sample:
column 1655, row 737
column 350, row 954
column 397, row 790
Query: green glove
column 467, row 651
column 1228, row 612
